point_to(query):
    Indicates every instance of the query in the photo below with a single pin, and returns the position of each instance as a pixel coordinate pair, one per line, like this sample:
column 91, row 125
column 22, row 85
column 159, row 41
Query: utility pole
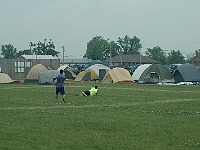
column 63, row 47
column 110, row 55
column 140, row 57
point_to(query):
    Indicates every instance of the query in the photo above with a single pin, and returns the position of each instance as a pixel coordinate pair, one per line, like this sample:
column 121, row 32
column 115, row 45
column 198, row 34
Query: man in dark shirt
column 60, row 88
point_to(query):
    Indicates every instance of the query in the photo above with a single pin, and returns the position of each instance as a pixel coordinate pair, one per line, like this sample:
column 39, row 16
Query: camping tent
column 46, row 77
column 4, row 78
column 93, row 62
column 187, row 73
column 68, row 72
column 62, row 67
column 155, row 73
column 138, row 72
column 117, row 75
column 99, row 69
column 87, row 75
column 32, row 76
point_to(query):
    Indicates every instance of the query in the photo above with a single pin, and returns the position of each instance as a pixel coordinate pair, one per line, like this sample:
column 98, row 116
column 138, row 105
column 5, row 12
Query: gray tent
column 187, row 73
column 46, row 77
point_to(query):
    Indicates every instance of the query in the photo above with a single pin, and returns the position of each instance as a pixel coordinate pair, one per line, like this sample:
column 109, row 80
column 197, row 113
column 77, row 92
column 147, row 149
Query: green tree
column 175, row 57
column 97, row 48
column 112, row 50
column 8, row 51
column 157, row 53
column 189, row 57
column 130, row 45
column 24, row 52
column 197, row 52
column 45, row 48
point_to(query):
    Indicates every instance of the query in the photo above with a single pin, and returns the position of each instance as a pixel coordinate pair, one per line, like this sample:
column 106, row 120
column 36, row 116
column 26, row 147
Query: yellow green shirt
column 93, row 91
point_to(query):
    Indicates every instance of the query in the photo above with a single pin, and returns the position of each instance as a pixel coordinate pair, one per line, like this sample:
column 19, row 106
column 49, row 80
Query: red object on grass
column 16, row 81
column 69, row 83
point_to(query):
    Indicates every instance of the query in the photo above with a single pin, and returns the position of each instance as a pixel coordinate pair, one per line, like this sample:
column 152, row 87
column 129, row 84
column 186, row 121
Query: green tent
column 68, row 72
column 156, row 73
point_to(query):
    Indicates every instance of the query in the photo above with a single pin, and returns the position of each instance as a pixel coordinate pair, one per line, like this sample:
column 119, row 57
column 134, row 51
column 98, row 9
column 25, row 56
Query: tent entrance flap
column 102, row 73
column 153, row 77
column 87, row 77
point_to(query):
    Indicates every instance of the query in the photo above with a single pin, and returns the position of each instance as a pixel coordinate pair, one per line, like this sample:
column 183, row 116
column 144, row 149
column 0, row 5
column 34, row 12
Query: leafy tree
column 189, row 57
column 45, row 48
column 112, row 50
column 157, row 53
column 8, row 51
column 197, row 52
column 27, row 52
column 97, row 48
column 175, row 57
column 129, row 45
column 24, row 52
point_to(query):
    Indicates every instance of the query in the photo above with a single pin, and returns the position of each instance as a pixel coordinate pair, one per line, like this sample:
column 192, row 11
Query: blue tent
column 93, row 62
column 186, row 73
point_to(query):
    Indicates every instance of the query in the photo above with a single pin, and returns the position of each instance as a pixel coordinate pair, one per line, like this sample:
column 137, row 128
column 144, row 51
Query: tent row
column 147, row 73
column 105, row 76
column 156, row 73
column 40, row 74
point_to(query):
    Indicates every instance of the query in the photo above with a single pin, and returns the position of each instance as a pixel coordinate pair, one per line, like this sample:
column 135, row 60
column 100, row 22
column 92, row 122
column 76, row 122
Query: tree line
column 99, row 48
column 39, row 48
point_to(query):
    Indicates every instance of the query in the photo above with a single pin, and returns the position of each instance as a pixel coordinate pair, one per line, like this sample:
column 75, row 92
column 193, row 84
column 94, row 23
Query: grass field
column 122, row 116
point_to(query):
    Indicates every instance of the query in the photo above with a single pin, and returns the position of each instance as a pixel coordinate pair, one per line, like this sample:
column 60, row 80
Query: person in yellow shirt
column 93, row 91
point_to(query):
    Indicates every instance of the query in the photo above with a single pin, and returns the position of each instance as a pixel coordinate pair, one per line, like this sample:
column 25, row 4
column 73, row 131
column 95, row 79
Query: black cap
column 61, row 71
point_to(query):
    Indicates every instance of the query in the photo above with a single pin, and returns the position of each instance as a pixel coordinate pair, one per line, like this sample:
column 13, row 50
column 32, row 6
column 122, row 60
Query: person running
column 60, row 88
column 93, row 91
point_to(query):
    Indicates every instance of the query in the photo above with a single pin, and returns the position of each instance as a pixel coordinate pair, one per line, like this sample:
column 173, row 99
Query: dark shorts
column 87, row 93
column 60, row 90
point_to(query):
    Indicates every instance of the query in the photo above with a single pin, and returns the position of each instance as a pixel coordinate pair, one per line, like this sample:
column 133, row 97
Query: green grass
column 122, row 116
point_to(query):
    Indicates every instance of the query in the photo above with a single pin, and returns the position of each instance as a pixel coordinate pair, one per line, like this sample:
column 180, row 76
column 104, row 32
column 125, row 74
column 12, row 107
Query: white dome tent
column 99, row 69
column 4, row 78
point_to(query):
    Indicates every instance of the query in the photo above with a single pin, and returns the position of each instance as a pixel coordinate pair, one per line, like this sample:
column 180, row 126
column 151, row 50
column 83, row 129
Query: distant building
column 196, row 61
column 37, row 57
column 130, row 61
column 74, row 61
column 17, row 69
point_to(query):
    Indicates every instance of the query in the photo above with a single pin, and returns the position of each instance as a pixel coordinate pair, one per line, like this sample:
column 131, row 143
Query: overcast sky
column 170, row 24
